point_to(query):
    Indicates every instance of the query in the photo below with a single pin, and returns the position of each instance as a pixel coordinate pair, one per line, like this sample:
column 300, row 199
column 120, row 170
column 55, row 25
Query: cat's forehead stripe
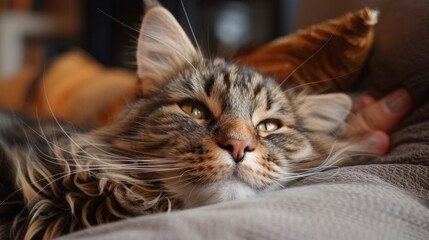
column 208, row 86
column 257, row 90
column 269, row 100
column 227, row 80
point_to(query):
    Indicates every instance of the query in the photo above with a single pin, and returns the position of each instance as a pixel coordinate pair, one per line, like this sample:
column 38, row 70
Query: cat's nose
column 238, row 148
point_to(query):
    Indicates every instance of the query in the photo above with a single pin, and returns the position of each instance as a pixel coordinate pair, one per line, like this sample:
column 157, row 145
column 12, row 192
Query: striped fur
column 155, row 157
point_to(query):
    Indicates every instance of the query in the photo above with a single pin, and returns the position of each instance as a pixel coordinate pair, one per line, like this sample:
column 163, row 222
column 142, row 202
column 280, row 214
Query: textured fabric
column 353, row 203
column 385, row 200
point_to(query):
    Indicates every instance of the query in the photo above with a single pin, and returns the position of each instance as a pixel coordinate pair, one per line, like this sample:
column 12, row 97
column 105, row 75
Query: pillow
column 328, row 55
column 74, row 88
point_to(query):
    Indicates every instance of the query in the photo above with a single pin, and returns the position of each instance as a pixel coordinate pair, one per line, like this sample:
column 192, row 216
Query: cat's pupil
column 193, row 110
column 196, row 112
column 268, row 126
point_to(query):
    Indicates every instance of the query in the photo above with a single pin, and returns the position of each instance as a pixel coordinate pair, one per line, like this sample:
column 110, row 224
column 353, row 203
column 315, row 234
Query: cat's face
column 231, row 130
column 222, row 131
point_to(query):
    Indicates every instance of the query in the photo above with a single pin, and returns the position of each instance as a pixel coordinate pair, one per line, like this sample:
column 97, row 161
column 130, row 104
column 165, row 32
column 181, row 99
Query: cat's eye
column 193, row 109
column 269, row 125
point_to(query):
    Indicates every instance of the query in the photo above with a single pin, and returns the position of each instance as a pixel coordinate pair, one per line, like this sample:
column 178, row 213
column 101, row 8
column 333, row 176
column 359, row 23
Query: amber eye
column 269, row 125
column 194, row 109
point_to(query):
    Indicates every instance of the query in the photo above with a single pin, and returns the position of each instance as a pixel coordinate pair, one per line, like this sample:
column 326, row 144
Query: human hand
column 374, row 119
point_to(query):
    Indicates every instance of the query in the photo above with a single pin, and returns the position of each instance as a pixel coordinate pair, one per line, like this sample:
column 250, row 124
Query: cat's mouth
column 226, row 180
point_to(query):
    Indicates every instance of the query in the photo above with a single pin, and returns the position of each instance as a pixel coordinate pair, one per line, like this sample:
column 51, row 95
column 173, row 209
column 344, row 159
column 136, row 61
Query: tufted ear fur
column 163, row 48
column 324, row 112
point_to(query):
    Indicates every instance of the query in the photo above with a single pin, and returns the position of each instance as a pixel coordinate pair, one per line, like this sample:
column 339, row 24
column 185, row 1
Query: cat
column 204, row 131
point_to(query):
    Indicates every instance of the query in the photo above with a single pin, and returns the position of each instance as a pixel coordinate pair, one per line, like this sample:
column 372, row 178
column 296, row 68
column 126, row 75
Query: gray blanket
column 385, row 200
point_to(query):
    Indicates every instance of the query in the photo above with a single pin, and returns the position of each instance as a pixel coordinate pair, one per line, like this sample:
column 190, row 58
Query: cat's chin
column 220, row 191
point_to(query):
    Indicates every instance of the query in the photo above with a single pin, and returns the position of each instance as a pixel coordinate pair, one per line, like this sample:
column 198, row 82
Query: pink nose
column 238, row 148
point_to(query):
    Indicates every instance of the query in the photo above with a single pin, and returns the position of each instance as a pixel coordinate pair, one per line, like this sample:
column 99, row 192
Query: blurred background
column 35, row 31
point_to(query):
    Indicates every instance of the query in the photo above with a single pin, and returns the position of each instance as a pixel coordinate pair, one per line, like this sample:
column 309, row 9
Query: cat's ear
column 163, row 48
column 324, row 112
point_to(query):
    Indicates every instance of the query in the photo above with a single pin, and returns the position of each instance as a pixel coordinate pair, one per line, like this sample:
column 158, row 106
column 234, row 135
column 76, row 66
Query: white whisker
column 320, row 81
column 308, row 59
column 190, row 26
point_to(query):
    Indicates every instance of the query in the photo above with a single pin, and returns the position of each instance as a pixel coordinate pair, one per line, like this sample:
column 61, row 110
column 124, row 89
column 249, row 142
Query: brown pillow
column 73, row 88
column 328, row 55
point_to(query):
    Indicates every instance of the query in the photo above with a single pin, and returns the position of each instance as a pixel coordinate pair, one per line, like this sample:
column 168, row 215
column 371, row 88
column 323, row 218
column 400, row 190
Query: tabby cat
column 204, row 131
